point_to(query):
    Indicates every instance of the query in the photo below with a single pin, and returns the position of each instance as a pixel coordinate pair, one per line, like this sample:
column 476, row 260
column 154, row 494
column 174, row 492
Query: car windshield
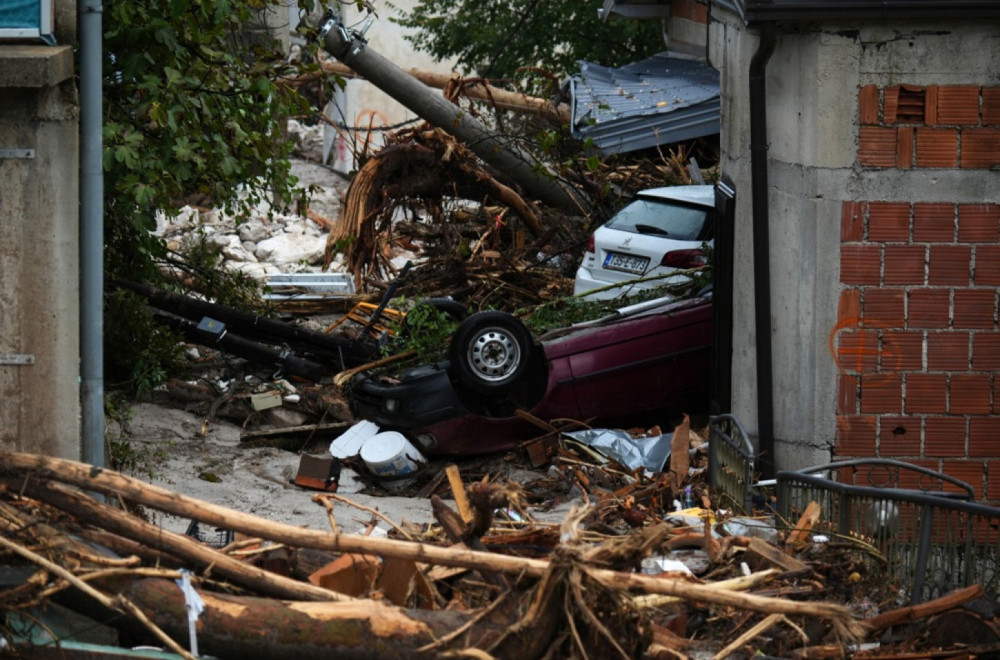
column 645, row 216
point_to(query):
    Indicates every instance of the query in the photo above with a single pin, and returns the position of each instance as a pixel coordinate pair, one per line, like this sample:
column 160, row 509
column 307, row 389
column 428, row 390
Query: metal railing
column 730, row 461
column 927, row 532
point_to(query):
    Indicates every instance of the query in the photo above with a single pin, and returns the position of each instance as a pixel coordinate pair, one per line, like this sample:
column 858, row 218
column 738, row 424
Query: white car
column 659, row 232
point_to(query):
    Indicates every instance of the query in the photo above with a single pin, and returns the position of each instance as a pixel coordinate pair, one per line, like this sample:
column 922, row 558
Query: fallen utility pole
column 519, row 166
column 479, row 90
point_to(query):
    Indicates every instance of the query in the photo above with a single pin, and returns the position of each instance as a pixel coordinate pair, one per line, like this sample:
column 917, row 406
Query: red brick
column 933, row 223
column 868, row 105
column 847, row 395
column 949, row 264
column 852, row 221
column 944, row 436
column 857, row 351
column 905, row 104
column 860, row 264
column 992, row 494
column 881, row 393
column 948, row 351
column 926, row 393
column 899, row 436
column 984, row 438
column 855, row 436
column 928, row 308
column 987, row 269
column 970, row 394
column 978, row 223
column 877, row 146
column 958, row 105
column 891, row 105
column 849, row 308
column 884, row 308
column 991, row 106
column 904, row 147
column 974, row 308
column 931, row 105
column 902, row 351
column 986, row 351
column 916, row 480
column 889, row 221
column 980, row 148
column 971, row 472
column 904, row 264
column 937, row 147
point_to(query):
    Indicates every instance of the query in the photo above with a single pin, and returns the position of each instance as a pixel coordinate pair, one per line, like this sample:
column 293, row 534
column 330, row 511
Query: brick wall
column 917, row 341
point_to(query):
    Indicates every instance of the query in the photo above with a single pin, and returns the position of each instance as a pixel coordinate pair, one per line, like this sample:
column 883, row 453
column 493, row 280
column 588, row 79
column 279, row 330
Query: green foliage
column 193, row 109
column 530, row 42
column 148, row 352
column 425, row 329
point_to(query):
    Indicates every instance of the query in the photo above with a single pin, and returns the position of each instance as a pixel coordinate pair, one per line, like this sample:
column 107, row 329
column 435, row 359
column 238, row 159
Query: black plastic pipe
column 762, row 248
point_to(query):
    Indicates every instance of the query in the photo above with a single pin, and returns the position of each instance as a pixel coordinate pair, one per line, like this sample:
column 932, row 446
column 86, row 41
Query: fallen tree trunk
column 251, row 628
column 32, row 467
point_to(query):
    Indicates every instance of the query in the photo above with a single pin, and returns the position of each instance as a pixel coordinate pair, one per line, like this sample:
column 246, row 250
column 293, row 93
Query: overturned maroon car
column 643, row 363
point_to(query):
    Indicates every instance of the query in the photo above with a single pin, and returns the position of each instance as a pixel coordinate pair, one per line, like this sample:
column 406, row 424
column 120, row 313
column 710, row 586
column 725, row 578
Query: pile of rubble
column 647, row 565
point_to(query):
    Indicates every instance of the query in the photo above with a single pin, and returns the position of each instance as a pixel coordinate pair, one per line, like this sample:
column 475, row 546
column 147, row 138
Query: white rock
column 286, row 249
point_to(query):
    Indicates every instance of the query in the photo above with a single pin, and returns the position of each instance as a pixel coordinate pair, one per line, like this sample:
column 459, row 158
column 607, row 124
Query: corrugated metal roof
column 664, row 99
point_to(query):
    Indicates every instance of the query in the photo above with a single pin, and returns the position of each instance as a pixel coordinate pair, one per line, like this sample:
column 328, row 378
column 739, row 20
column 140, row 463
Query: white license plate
column 626, row 262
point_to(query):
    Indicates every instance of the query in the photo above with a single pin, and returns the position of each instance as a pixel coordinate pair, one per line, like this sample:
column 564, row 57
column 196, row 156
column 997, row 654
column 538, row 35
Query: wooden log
column 36, row 468
column 177, row 545
column 914, row 612
column 254, row 628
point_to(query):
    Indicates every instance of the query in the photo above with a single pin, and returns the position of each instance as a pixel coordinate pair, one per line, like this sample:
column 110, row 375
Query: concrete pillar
column 39, row 262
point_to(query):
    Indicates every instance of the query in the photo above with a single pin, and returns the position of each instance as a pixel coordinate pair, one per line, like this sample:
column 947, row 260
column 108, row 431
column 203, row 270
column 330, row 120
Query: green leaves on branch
column 534, row 43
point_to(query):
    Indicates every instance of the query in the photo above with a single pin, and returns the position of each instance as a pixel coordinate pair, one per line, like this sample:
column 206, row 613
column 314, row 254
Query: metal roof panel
column 666, row 98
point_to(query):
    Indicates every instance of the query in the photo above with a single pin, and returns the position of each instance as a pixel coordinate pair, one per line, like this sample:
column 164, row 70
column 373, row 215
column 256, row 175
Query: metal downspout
column 91, row 235
column 761, row 249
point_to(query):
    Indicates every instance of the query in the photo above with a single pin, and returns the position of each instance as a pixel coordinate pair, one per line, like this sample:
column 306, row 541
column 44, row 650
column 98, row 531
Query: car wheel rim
column 494, row 355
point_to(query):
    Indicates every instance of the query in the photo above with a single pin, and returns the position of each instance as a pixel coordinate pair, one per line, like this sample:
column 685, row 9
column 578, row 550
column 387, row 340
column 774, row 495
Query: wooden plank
column 458, row 489
column 760, row 553
column 800, row 534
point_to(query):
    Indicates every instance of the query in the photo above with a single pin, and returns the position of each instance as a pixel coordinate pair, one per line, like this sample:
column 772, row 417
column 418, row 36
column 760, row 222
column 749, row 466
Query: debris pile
column 484, row 581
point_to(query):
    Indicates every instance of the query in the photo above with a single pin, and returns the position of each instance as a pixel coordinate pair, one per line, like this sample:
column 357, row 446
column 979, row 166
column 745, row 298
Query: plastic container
column 390, row 454
column 350, row 442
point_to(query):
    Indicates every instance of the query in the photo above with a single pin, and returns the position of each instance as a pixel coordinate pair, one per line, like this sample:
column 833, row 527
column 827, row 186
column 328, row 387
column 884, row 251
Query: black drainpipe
column 762, row 248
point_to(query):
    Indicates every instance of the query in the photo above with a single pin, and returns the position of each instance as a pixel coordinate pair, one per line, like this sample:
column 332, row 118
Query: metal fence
column 730, row 462
column 921, row 525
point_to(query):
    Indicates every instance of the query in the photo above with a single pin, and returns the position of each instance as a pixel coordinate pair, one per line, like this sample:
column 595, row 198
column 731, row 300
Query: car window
column 643, row 216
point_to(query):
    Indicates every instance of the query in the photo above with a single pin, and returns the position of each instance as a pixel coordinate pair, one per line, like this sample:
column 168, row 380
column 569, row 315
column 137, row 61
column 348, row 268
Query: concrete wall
column 817, row 171
column 39, row 265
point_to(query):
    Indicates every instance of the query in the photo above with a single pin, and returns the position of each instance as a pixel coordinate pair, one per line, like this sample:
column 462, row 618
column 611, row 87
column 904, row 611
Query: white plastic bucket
column 390, row 454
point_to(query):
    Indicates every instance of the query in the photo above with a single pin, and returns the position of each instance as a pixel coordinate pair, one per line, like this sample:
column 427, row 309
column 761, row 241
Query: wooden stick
column 924, row 610
column 117, row 604
column 48, row 469
column 742, row 583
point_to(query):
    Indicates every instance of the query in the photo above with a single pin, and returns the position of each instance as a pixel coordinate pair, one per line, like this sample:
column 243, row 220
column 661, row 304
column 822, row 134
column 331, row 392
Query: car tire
column 490, row 352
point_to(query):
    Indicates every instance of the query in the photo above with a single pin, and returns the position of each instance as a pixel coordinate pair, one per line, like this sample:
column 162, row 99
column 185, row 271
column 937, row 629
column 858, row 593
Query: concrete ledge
column 34, row 65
